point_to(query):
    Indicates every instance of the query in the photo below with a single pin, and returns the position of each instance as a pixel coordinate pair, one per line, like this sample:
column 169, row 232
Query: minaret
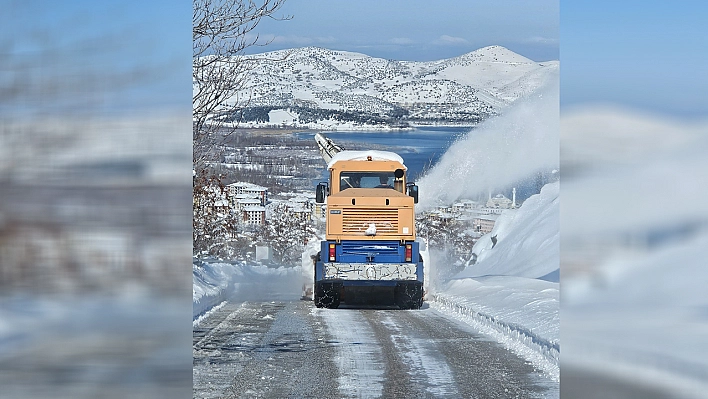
column 513, row 197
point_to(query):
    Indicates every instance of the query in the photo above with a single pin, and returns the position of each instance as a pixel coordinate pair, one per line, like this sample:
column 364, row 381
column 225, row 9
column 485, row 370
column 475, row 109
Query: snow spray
column 519, row 145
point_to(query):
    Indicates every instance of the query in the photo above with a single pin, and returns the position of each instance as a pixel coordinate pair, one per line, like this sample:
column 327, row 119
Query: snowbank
column 527, row 241
column 520, row 313
column 512, row 292
column 216, row 282
column 212, row 284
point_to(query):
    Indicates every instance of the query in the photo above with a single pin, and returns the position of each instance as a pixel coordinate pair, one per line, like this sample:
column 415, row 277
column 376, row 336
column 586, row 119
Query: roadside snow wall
column 214, row 283
column 528, row 241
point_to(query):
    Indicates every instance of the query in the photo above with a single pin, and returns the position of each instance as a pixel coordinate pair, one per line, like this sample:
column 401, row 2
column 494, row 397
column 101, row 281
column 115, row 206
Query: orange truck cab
column 370, row 253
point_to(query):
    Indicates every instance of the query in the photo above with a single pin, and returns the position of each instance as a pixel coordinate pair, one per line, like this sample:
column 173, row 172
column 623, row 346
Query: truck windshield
column 366, row 180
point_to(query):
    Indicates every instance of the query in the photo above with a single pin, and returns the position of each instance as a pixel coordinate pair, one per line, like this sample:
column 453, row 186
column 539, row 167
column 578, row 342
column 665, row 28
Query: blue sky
column 647, row 55
column 417, row 30
column 651, row 56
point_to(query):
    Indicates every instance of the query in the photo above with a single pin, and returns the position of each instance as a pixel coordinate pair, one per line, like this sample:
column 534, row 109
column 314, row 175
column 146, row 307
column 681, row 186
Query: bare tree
column 221, row 32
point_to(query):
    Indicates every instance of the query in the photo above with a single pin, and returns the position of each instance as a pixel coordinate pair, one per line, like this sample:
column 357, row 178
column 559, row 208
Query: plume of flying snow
column 500, row 152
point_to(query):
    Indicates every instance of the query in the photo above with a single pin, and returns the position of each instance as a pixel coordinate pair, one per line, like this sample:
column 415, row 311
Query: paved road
column 290, row 349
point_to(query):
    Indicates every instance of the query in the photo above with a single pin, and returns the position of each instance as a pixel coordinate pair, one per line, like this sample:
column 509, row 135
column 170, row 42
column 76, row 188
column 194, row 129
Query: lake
column 420, row 148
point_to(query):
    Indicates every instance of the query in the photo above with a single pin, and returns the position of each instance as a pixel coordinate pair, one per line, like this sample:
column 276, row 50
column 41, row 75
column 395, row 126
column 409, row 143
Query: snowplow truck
column 369, row 255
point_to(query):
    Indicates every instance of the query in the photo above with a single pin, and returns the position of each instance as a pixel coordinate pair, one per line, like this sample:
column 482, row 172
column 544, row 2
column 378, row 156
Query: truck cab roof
column 369, row 155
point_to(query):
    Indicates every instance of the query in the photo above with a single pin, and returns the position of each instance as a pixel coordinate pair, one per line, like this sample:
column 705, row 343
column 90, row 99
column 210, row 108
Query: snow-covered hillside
column 533, row 227
column 326, row 89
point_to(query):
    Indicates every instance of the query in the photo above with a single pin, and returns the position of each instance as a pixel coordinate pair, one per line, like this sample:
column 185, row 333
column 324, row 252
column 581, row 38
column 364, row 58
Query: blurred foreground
column 634, row 239
column 94, row 263
column 95, row 222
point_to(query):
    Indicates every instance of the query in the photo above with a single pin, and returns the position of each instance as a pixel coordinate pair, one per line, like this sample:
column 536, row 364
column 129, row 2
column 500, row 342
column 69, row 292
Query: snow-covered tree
column 287, row 235
column 213, row 223
column 446, row 233
column 220, row 34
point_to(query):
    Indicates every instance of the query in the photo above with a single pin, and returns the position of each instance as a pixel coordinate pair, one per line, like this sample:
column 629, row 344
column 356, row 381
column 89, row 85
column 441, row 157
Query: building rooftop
column 249, row 201
column 488, row 217
column 247, row 186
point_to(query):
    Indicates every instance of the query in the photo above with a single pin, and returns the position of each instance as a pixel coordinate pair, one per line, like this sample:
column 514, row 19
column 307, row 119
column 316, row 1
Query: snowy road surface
column 290, row 349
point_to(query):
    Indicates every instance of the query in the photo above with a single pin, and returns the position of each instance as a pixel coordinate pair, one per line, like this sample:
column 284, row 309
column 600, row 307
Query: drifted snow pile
column 218, row 281
column 211, row 285
column 527, row 241
column 512, row 292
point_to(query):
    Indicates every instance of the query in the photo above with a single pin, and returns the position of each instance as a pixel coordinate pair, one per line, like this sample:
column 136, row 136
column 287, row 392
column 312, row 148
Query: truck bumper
column 370, row 271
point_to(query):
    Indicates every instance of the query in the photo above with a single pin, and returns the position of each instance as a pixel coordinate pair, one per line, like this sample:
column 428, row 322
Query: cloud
column 446, row 40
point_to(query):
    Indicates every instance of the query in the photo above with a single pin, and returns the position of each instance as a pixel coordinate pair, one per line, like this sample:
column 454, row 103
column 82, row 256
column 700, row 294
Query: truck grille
column 357, row 220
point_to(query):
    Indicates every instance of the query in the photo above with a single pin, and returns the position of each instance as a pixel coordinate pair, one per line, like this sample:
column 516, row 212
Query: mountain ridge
column 320, row 88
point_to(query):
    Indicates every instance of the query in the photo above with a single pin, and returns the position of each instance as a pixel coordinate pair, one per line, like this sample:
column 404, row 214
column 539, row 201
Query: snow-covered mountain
column 320, row 88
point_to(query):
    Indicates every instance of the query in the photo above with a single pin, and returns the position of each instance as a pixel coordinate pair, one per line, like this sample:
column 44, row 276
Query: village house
column 247, row 190
column 243, row 203
column 255, row 215
column 302, row 214
column 303, row 208
column 484, row 223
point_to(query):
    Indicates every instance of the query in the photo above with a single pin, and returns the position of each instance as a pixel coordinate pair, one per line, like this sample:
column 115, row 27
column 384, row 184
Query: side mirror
column 321, row 193
column 412, row 190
